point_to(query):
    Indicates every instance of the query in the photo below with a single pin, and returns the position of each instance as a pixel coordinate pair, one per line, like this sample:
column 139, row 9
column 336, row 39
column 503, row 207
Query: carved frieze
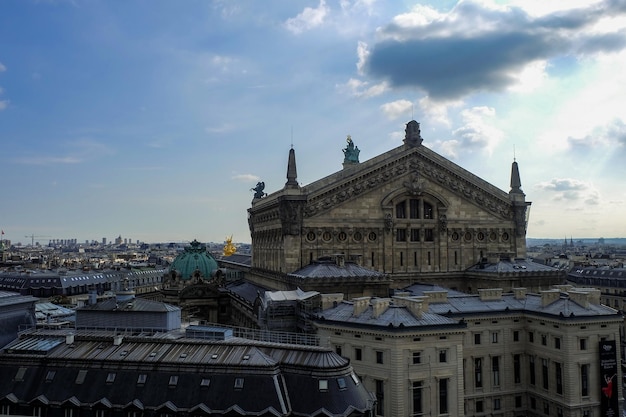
column 421, row 168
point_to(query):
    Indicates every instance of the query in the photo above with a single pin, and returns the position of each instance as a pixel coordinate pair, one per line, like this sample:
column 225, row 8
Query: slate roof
column 394, row 316
column 182, row 375
column 246, row 290
column 516, row 265
column 328, row 268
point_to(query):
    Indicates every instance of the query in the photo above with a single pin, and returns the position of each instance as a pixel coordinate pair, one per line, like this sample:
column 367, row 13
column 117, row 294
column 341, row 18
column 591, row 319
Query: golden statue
column 229, row 248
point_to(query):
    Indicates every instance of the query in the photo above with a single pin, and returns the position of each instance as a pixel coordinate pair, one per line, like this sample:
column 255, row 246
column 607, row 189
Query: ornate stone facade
column 409, row 213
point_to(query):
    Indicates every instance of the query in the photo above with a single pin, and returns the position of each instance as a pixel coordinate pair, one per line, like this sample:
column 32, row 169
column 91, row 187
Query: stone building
column 431, row 351
column 408, row 213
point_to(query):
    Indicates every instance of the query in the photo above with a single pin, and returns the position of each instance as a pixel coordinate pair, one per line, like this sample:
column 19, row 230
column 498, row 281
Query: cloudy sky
column 153, row 119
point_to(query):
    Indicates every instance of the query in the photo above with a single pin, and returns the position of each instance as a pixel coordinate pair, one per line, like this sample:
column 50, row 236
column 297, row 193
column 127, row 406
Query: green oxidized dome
column 194, row 258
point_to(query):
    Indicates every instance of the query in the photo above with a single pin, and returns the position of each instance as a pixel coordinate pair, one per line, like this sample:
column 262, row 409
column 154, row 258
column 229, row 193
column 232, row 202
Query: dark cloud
column 474, row 48
column 571, row 190
column 611, row 135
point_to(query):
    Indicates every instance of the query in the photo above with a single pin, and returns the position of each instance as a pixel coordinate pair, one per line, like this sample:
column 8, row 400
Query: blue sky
column 153, row 119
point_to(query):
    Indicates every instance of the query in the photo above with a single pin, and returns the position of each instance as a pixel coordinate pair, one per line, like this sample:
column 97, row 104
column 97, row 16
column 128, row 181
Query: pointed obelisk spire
column 292, row 174
column 516, row 182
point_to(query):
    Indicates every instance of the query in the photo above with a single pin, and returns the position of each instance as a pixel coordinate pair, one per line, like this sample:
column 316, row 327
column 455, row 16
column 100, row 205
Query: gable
column 408, row 171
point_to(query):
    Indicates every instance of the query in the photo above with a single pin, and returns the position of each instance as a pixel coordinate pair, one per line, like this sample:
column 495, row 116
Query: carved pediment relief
column 421, row 170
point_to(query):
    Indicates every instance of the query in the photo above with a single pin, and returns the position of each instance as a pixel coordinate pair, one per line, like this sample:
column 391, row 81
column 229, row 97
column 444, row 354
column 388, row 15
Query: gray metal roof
column 327, row 268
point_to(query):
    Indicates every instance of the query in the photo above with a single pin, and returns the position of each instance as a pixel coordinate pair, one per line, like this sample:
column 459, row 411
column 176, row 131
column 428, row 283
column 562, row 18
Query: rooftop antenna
column 514, row 152
column 291, row 136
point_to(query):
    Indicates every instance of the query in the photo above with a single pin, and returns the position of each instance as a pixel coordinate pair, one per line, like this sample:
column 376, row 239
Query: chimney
column 549, row 296
column 331, row 300
column 579, row 297
column 416, row 305
column 437, row 296
column 379, row 306
column 360, row 305
column 69, row 338
column 490, row 294
column 519, row 293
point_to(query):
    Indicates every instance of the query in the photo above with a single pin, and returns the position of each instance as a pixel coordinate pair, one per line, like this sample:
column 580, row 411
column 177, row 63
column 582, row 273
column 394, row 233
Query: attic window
column 173, row 381
column 238, row 383
column 19, row 376
column 323, row 384
column 214, row 356
column 141, row 379
column 80, row 378
column 111, row 378
column 355, row 378
column 341, row 382
column 246, row 357
column 205, row 382
column 50, row 376
column 183, row 355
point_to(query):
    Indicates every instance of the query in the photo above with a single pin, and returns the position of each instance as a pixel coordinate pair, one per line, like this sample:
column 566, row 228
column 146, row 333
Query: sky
column 153, row 120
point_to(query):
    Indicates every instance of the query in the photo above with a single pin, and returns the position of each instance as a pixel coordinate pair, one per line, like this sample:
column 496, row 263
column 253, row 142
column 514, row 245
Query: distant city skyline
column 155, row 120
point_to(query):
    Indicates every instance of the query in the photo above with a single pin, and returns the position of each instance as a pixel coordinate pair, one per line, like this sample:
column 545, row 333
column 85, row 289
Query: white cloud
column 245, row 177
column 49, row 160
column 437, row 111
column 4, row 104
column 476, row 134
column 2, row 67
column 530, row 78
column 362, row 53
column 398, row 108
column 308, row 19
column 360, row 88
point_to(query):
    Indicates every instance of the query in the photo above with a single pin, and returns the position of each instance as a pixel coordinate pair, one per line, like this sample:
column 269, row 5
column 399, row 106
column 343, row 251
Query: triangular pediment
column 413, row 170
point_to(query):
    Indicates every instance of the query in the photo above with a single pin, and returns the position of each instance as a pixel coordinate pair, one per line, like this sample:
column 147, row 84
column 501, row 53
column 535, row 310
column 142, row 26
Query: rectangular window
column 414, row 208
column 443, row 396
column 584, row 380
column 546, row 408
column 338, row 350
column 428, row 257
column 495, row 370
column 417, row 358
column 67, row 412
column 479, row 406
column 518, row 401
column 401, row 210
column 322, row 384
column 494, row 337
column 531, row 337
column 358, row 354
column 400, row 235
column 80, row 378
column 478, row 372
column 379, row 356
column 401, row 258
column 443, row 356
column 531, row 369
column 517, row 369
column 544, row 340
column 477, row 338
column 557, row 343
column 380, row 397
column 418, row 406
column 415, row 235
column 429, row 235
column 544, row 373
column 559, row 377
column 516, row 336
column 583, row 344
column 497, row 405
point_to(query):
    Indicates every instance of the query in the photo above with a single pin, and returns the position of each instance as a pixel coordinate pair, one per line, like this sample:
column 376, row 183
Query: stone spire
column 516, row 182
column 292, row 174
